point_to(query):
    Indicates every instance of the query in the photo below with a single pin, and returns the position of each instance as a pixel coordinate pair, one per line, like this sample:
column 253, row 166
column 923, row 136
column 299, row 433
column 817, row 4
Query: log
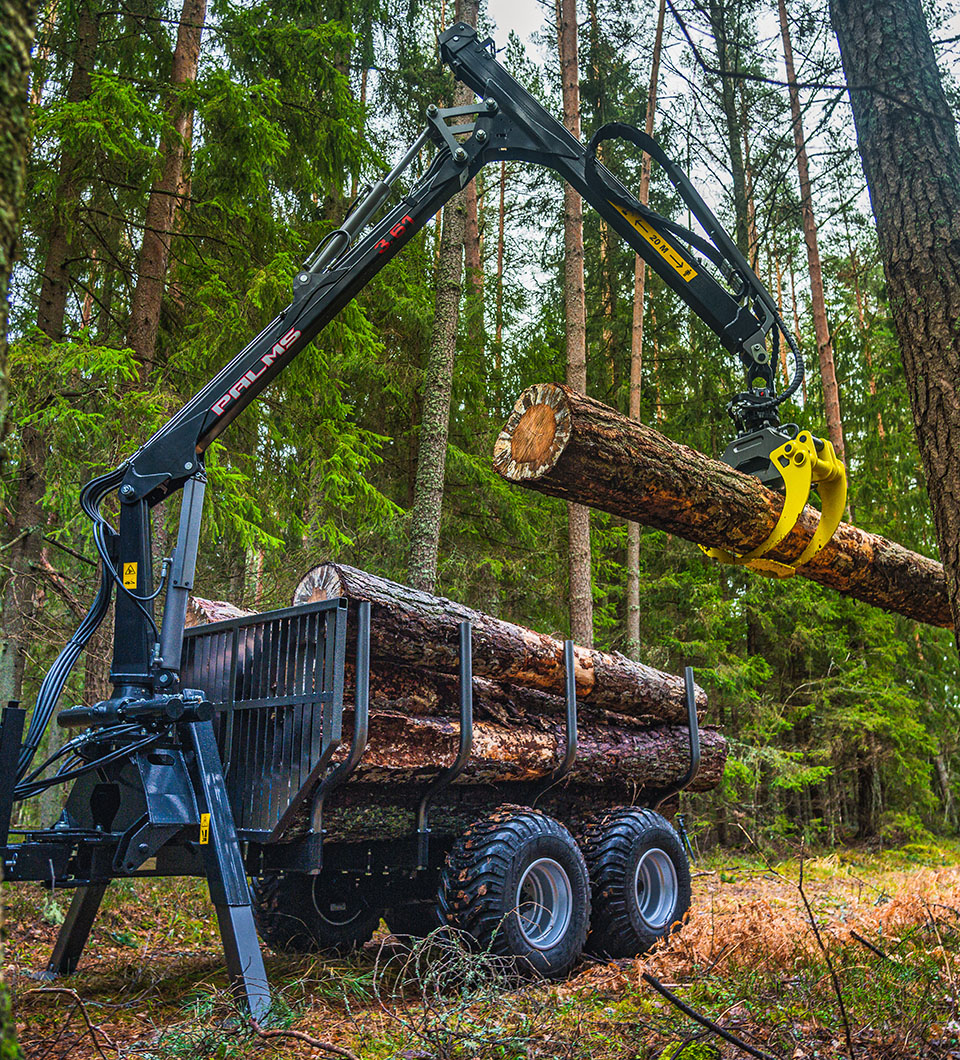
column 564, row 444
column 404, row 749
column 414, row 691
column 417, row 629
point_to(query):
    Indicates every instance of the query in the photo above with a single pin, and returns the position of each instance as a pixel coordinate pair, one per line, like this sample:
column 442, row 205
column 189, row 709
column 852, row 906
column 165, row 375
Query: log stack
column 632, row 733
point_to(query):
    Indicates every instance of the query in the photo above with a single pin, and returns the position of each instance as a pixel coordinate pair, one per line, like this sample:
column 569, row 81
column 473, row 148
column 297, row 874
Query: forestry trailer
column 214, row 756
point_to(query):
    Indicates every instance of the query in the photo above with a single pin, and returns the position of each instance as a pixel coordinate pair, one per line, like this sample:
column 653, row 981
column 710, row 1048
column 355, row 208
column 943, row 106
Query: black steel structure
column 215, row 754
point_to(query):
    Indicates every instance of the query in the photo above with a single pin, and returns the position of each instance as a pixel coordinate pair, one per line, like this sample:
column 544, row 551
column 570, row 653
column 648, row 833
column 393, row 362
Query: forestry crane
column 184, row 786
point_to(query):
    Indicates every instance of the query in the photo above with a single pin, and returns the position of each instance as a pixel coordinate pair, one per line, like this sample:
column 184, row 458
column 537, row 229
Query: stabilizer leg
column 226, row 875
column 74, row 931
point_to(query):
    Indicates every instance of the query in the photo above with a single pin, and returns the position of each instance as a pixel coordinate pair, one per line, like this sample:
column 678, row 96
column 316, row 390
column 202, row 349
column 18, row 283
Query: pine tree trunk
column 828, row 371
column 165, row 198
column 911, row 159
column 570, row 446
column 578, row 517
column 16, row 36
column 438, row 376
column 636, row 350
column 727, row 64
column 61, row 246
column 21, row 557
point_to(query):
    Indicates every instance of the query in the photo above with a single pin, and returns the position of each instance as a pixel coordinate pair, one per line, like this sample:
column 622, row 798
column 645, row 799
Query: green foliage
column 838, row 716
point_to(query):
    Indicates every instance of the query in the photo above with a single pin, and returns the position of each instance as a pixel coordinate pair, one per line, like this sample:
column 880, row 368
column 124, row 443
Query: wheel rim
column 656, row 886
column 337, row 910
column 544, row 903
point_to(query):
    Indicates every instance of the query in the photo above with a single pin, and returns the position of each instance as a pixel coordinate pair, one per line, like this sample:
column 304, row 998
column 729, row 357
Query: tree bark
column 413, row 628
column 828, row 370
column 61, row 246
column 570, row 446
column 438, row 377
column 402, row 749
column 16, row 36
column 636, row 350
column 911, row 159
column 578, row 517
column 728, row 65
column 165, row 198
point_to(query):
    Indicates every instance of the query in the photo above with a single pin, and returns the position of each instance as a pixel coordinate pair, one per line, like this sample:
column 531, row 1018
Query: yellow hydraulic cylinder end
column 801, row 465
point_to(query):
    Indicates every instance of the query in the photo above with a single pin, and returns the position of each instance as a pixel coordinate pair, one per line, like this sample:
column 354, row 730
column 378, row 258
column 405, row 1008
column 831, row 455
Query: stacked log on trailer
column 633, row 739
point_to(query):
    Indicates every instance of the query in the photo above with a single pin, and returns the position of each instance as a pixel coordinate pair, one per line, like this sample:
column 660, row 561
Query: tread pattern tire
column 480, row 881
column 613, row 844
column 287, row 917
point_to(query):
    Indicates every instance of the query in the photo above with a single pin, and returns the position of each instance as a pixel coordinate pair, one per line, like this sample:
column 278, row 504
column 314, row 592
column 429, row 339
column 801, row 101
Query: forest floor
column 152, row 985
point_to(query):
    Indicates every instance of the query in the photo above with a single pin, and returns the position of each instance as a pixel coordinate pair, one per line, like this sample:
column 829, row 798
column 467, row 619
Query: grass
column 152, row 985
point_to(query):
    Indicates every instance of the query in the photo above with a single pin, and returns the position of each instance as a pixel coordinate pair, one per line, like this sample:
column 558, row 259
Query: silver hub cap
column 656, row 883
column 544, row 903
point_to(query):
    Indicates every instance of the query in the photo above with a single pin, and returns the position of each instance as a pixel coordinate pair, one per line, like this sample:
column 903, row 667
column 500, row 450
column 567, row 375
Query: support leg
column 75, row 931
column 226, row 875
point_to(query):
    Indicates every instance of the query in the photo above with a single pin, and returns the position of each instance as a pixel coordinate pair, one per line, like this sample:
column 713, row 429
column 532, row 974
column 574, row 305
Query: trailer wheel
column 415, row 919
column 311, row 914
column 640, row 879
column 517, row 884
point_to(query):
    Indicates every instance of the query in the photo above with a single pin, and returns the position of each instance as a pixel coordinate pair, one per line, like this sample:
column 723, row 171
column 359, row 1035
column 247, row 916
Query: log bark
column 414, row 628
column 564, row 444
column 907, row 135
column 403, row 749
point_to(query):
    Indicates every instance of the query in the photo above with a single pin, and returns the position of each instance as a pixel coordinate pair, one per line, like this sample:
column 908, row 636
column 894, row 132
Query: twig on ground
column 873, row 949
column 703, row 1021
column 300, row 1036
column 94, row 1028
column 826, row 956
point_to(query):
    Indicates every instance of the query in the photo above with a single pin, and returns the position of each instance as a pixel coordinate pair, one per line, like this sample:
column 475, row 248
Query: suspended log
column 403, row 749
column 564, row 444
column 417, row 629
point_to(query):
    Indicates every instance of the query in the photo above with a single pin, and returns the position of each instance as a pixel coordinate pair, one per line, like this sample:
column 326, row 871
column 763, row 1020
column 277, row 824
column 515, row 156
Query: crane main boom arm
column 506, row 123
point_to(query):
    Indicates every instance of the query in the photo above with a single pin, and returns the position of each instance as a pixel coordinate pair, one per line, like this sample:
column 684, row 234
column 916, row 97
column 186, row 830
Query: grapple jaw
column 792, row 461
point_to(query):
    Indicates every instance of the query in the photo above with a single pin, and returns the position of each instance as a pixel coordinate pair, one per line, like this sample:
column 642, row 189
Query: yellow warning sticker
column 204, row 829
column 669, row 255
column 129, row 575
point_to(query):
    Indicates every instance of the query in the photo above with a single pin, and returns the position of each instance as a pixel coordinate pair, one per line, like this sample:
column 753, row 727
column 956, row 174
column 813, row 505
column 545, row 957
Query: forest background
column 185, row 159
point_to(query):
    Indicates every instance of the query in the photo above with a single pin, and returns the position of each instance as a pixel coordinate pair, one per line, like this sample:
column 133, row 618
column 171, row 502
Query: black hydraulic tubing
column 728, row 249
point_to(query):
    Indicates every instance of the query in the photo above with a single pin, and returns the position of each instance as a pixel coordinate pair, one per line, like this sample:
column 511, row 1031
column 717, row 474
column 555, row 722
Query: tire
column 311, row 914
column 414, row 920
column 640, row 881
column 517, row 885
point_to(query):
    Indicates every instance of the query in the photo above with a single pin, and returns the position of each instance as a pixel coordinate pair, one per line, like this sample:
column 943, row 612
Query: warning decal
column 204, row 829
column 129, row 575
column 653, row 237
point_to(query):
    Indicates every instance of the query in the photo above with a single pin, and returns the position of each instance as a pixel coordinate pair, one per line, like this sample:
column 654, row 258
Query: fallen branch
column 703, row 1021
column 300, row 1036
column 826, row 956
column 94, row 1028
column 561, row 443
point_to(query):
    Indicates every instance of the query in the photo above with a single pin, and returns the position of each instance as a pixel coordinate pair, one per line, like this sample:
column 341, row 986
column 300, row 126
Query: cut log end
column 535, row 434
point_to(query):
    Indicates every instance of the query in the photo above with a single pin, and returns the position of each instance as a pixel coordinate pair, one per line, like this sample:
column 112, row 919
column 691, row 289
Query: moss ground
column 152, row 985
